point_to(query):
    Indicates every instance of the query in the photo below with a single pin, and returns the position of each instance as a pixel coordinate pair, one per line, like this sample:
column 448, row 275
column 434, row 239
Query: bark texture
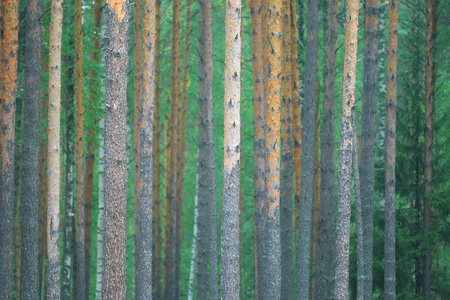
column 324, row 273
column 430, row 39
column 368, row 139
column 9, row 79
column 144, row 214
column 156, row 266
column 54, row 152
column 207, row 181
column 30, row 173
column 391, row 111
column 259, row 117
column 287, row 170
column 232, row 139
column 345, row 152
column 308, row 121
column 101, row 212
column 114, row 275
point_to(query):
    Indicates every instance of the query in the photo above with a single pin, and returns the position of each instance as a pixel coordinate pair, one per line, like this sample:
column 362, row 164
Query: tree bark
column 114, row 275
column 345, row 152
column 9, row 79
column 30, row 173
column 287, row 162
column 166, row 227
column 231, row 181
column 54, row 153
column 368, row 139
column 259, row 117
column 430, row 38
column 306, row 197
column 144, row 214
column 101, row 211
column 156, row 265
column 194, row 243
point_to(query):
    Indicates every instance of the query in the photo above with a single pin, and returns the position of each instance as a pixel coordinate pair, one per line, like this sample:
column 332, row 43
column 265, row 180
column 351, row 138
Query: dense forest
column 263, row 149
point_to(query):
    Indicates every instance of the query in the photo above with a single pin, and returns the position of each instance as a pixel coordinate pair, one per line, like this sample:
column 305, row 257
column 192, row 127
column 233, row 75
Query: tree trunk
column 306, row 197
column 368, row 139
column 430, row 19
column 54, row 153
column 114, row 275
column 167, row 209
column 144, row 202
column 259, row 117
column 231, row 180
column 9, row 78
column 30, row 174
column 2, row 17
column 101, row 211
column 91, row 138
column 345, row 152
column 194, row 243
column 156, row 265
column 287, row 166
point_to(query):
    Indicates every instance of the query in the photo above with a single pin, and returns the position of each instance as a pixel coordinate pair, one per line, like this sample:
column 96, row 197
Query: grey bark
column 101, row 211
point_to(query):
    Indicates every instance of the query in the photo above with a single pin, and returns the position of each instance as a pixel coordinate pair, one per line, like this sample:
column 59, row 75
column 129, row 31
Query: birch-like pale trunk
column 101, row 212
column 194, row 243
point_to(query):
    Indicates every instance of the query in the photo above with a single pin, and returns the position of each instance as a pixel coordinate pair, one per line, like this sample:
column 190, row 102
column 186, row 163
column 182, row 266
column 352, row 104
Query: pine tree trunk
column 156, row 265
column 101, row 211
column 259, row 139
column 287, row 166
column 68, row 259
column 9, row 79
column 430, row 19
column 391, row 108
column 30, row 173
column 91, row 139
column 231, row 179
column 114, row 275
column 54, row 152
column 2, row 17
column 306, row 197
column 368, row 139
column 144, row 204
column 345, row 152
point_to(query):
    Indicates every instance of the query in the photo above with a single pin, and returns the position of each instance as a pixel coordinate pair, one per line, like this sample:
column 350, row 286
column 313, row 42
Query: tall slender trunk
column 172, row 190
column 430, row 19
column 259, row 118
column 306, row 197
column 232, row 139
column 194, row 243
column 9, row 79
column 68, row 259
column 101, row 211
column 181, row 145
column 54, row 153
column 167, row 205
column 30, row 173
column 296, row 114
column 345, row 152
column 114, row 272
column 144, row 214
column 287, row 166
column 91, row 138
column 156, row 265
column 368, row 139
column 207, row 245
column 2, row 25
column 391, row 108
column 381, row 77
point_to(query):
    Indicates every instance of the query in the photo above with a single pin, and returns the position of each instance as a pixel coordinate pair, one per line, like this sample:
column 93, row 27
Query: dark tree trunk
column 30, row 173
column 345, row 152
column 308, row 121
column 287, row 166
column 259, row 139
column 368, row 139
column 54, row 152
column 232, row 138
column 325, row 260
column 114, row 275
